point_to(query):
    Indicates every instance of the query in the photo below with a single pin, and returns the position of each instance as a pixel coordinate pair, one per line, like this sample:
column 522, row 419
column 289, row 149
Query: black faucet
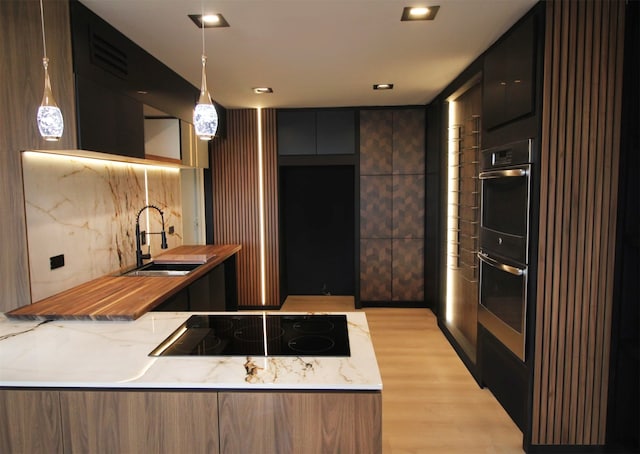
column 139, row 255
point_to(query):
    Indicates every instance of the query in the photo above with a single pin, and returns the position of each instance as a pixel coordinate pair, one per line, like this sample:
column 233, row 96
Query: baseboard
column 399, row 304
column 259, row 308
column 566, row 449
column 468, row 363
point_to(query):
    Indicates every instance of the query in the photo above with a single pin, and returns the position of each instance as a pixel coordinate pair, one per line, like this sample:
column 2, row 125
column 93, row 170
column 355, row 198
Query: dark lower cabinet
column 213, row 292
column 208, row 292
column 504, row 375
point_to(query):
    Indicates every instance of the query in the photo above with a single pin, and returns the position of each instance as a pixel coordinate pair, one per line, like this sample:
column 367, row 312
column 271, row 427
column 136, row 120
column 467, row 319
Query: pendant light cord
column 44, row 42
column 202, row 24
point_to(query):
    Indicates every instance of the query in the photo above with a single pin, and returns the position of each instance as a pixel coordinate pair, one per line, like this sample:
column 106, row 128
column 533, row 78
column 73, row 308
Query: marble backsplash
column 86, row 209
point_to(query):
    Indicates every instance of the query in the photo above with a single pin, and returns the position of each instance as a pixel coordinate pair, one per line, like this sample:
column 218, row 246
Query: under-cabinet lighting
column 262, row 90
column 62, row 156
column 383, row 86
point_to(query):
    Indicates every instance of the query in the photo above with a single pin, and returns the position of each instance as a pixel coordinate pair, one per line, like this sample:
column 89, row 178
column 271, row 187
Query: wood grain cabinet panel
column 305, row 422
column 146, row 421
column 21, row 94
column 30, row 422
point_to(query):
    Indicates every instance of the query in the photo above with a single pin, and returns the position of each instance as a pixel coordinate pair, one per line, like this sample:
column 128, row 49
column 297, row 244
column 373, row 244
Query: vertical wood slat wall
column 578, row 200
column 235, row 170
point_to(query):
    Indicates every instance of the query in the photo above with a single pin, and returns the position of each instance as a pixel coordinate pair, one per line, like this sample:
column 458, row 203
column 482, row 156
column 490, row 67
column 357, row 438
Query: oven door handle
column 501, row 266
column 506, row 173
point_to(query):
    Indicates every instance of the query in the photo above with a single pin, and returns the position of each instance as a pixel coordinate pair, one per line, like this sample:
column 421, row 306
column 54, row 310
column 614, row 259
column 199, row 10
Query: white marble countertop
column 112, row 354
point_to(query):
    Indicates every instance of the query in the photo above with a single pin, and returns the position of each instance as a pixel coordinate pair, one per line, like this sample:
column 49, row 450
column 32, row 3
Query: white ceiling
column 315, row 53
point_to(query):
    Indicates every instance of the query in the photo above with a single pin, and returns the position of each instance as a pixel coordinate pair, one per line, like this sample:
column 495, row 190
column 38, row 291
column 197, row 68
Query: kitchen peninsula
column 70, row 385
column 120, row 297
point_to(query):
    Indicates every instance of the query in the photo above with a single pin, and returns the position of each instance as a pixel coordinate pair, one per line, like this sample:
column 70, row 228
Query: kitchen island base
column 66, row 421
column 300, row 422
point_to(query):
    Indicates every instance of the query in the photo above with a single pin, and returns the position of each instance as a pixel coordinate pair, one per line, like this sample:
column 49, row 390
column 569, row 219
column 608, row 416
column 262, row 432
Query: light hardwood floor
column 430, row 401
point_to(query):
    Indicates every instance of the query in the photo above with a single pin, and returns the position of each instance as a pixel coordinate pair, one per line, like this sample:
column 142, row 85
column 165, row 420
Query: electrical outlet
column 171, row 230
column 56, row 261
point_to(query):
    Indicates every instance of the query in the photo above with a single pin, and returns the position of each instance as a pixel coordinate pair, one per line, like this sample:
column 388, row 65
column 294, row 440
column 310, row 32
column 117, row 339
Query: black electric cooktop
column 258, row 335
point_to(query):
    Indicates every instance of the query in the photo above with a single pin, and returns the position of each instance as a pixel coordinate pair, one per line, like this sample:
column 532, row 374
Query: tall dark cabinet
column 392, row 200
column 317, row 187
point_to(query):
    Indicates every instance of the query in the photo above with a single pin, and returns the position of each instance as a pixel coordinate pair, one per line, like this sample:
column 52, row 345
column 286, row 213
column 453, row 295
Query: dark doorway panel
column 317, row 215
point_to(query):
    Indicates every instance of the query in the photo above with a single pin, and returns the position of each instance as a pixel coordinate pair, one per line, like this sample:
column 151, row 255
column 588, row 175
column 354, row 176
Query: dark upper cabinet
column 108, row 121
column 296, row 132
column 509, row 76
column 115, row 78
column 316, row 132
column 335, row 132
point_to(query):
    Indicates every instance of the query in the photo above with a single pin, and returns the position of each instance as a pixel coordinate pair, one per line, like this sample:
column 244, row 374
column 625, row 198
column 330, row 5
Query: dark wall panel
column 317, row 209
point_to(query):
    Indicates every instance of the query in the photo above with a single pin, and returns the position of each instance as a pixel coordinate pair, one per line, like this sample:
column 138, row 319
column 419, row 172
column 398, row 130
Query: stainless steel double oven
column 505, row 177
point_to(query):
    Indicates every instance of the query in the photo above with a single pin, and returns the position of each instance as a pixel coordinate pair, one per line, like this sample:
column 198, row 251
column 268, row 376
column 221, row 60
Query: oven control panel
column 502, row 158
column 512, row 154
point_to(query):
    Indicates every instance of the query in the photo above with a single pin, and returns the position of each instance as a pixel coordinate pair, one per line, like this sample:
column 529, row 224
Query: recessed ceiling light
column 210, row 20
column 262, row 90
column 419, row 13
column 383, row 86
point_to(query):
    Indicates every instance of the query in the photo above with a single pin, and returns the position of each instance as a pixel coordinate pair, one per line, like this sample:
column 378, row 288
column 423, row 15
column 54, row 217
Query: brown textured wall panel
column 392, row 202
column 407, row 269
column 408, row 141
column 375, row 206
column 375, row 269
column 376, row 142
column 578, row 199
column 236, row 200
column 408, row 206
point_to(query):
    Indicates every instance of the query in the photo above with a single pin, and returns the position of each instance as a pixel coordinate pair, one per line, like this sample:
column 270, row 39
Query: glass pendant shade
column 50, row 121
column 205, row 117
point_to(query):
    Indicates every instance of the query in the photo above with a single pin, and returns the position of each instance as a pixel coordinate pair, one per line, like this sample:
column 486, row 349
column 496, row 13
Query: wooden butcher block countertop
column 126, row 297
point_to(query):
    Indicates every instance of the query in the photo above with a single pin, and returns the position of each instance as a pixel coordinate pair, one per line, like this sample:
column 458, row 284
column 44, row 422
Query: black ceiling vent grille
column 108, row 56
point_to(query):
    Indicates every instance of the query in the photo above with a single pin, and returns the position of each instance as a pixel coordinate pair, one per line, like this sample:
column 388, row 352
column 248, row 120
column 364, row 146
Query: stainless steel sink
column 164, row 269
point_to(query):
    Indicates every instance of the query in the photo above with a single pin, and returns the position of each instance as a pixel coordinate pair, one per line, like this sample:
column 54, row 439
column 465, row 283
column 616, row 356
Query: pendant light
column 50, row 121
column 205, row 117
